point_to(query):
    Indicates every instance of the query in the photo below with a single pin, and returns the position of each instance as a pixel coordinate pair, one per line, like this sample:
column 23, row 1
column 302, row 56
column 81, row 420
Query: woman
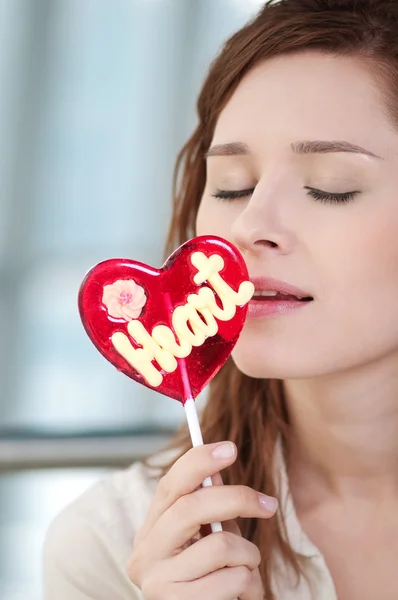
column 295, row 160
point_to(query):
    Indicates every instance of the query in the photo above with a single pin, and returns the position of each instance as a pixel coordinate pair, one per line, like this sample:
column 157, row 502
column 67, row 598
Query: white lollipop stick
column 197, row 440
column 194, row 425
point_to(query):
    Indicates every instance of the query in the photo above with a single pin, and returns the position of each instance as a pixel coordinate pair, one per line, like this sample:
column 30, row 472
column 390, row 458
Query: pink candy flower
column 124, row 299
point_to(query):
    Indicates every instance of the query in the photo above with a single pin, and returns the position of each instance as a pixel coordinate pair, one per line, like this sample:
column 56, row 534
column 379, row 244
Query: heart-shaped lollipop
column 173, row 328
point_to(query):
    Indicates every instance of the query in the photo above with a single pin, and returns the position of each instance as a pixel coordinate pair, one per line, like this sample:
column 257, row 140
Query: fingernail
column 223, row 451
column 268, row 502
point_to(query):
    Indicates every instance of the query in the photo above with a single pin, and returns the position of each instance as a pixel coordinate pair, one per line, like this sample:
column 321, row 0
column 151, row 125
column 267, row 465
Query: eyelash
column 318, row 195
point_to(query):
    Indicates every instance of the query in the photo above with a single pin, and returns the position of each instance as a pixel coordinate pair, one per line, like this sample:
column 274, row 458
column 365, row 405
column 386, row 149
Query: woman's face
column 320, row 217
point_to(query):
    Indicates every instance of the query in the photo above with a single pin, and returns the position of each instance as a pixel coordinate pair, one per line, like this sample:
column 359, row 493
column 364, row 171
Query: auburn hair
column 252, row 412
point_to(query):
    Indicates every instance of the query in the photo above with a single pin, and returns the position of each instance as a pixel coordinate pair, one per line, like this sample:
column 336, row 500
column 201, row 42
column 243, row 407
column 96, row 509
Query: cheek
column 201, row 219
column 367, row 301
column 278, row 352
column 362, row 270
column 359, row 299
column 215, row 218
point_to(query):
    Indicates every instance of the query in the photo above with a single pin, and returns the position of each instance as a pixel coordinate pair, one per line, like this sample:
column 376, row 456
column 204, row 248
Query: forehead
column 307, row 96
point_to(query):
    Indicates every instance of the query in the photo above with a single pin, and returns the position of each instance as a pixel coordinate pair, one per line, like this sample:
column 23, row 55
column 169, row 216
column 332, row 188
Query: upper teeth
column 274, row 293
column 266, row 293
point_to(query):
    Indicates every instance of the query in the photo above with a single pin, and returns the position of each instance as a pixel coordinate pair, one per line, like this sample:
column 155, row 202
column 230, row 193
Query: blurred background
column 96, row 98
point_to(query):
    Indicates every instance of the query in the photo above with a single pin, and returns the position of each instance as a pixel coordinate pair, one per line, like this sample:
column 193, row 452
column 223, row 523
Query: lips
column 274, row 298
column 267, row 289
column 261, row 296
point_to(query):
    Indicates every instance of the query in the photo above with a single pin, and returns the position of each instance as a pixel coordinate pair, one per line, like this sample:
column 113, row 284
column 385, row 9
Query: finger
column 255, row 589
column 206, row 529
column 183, row 519
column 186, row 475
column 225, row 584
column 217, row 479
column 232, row 527
column 212, row 553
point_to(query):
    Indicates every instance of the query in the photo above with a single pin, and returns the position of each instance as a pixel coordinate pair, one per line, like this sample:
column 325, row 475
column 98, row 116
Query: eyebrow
column 231, row 149
column 323, row 147
column 305, row 147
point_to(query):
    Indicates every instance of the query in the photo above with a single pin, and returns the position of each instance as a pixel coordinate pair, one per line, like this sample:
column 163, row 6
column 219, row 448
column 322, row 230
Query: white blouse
column 89, row 543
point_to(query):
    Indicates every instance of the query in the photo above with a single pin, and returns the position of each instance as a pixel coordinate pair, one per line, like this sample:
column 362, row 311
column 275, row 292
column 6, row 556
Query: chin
column 278, row 361
column 255, row 365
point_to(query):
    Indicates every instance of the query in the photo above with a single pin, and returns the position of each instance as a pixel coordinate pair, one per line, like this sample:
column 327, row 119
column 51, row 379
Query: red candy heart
column 122, row 303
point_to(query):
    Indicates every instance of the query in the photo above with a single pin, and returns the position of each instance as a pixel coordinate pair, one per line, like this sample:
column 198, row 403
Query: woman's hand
column 166, row 565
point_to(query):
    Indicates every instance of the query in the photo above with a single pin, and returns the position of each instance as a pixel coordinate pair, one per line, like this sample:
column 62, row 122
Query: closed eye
column 232, row 194
column 318, row 195
column 329, row 197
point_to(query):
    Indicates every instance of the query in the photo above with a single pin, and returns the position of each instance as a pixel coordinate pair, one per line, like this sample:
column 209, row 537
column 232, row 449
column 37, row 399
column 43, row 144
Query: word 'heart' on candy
column 173, row 328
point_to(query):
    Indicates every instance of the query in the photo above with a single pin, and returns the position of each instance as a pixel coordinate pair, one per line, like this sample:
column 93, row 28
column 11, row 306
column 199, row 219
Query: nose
column 261, row 225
